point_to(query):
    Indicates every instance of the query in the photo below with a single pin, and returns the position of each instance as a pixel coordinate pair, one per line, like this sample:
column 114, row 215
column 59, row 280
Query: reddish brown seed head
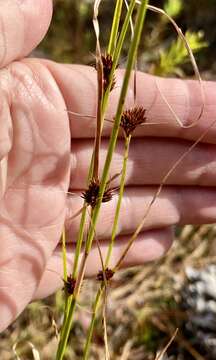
column 132, row 118
column 107, row 67
column 108, row 273
column 69, row 285
column 92, row 193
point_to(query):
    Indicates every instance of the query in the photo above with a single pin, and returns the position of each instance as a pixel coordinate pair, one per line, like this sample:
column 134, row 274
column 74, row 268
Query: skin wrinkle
column 185, row 118
column 15, row 154
column 171, row 129
column 24, row 83
column 38, row 80
column 178, row 87
column 9, row 29
column 76, row 105
column 159, row 101
column 7, row 210
column 39, row 86
column 140, row 170
column 6, row 84
column 6, row 133
column 17, row 237
column 188, row 105
column 23, row 77
column 4, row 42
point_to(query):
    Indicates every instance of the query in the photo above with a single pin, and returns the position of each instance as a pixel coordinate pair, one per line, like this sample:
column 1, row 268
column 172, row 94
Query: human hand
column 44, row 151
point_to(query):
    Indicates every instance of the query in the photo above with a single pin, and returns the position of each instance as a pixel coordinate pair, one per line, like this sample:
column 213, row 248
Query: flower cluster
column 69, row 285
column 107, row 67
column 108, row 273
column 132, row 118
column 91, row 194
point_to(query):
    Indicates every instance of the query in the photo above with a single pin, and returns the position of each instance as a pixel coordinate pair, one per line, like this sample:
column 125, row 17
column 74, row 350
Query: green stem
column 79, row 242
column 64, row 259
column 64, row 255
column 66, row 331
column 115, row 27
column 68, row 303
column 92, row 324
column 99, row 117
column 117, row 52
column 114, row 230
column 120, row 196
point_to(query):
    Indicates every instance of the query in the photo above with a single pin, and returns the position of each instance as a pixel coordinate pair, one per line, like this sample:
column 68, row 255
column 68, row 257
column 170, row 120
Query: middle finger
column 149, row 161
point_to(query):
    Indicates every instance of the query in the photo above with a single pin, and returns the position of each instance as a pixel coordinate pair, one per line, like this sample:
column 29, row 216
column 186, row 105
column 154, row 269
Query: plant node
column 69, row 285
column 108, row 273
column 132, row 118
column 91, row 194
column 107, row 62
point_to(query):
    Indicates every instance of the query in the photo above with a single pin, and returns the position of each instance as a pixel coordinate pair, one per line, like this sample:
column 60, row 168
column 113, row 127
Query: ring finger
column 175, row 205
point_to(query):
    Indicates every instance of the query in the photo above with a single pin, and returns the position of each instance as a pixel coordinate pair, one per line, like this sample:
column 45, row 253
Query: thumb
column 23, row 24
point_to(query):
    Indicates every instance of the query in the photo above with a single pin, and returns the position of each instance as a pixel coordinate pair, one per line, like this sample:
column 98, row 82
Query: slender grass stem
column 64, row 255
column 66, row 331
column 64, row 259
column 92, row 324
column 99, row 119
column 68, row 302
column 117, row 52
column 115, row 27
column 79, row 242
column 118, row 207
column 114, row 230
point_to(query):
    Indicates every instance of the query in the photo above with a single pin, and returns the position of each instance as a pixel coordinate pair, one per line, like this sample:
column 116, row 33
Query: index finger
column 79, row 88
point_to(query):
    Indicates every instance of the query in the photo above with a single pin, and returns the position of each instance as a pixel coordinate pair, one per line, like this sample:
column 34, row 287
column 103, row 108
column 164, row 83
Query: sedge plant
column 98, row 188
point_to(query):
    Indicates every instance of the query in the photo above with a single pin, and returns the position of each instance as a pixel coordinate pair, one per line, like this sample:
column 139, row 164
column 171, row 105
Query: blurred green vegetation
column 71, row 37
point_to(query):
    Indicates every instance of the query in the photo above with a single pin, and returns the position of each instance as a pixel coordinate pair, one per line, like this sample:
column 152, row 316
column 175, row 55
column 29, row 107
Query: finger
column 175, row 205
column 78, row 85
column 23, row 23
column 150, row 159
column 148, row 246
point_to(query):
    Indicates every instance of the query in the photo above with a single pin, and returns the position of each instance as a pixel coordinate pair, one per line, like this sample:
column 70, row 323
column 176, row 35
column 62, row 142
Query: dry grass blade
column 162, row 353
column 107, row 355
column 35, row 352
column 193, row 62
column 126, row 351
column 135, row 67
column 131, row 21
column 80, row 115
column 157, row 193
column 179, row 339
column 96, row 25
